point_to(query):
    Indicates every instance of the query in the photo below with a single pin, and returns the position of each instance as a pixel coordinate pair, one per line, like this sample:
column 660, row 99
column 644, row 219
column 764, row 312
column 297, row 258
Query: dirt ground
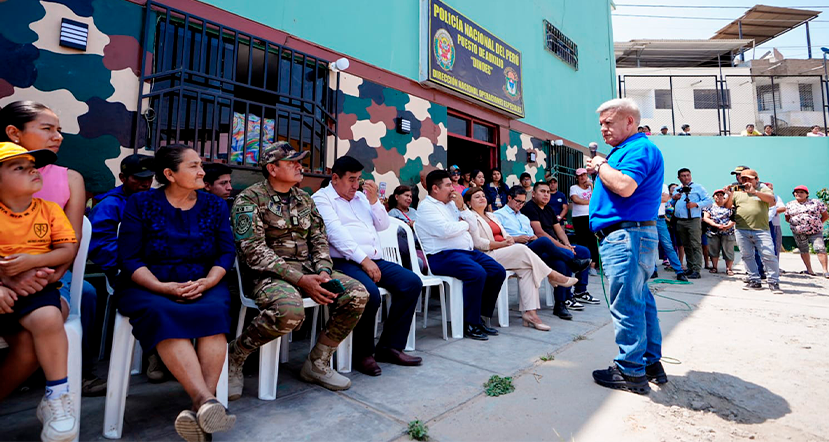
column 752, row 366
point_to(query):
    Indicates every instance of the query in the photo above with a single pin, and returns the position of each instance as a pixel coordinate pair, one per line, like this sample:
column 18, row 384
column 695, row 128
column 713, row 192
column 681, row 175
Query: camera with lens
column 738, row 187
column 685, row 189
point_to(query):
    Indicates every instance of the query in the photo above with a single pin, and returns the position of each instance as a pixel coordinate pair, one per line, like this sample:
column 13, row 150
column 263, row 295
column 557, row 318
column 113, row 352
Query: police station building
column 404, row 86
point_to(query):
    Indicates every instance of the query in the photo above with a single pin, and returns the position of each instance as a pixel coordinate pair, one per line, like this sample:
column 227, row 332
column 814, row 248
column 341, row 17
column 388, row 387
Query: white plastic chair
column 74, row 330
column 453, row 285
column 503, row 300
column 276, row 351
column 391, row 252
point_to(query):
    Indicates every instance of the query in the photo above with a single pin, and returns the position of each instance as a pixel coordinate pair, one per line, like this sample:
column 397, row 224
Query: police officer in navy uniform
column 623, row 213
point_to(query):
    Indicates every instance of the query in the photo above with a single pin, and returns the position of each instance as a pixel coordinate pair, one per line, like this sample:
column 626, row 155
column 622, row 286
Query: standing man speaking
column 623, row 213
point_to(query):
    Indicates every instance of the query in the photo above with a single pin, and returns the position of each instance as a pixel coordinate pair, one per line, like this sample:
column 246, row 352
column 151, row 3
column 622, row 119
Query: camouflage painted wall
column 514, row 158
column 367, row 131
column 94, row 92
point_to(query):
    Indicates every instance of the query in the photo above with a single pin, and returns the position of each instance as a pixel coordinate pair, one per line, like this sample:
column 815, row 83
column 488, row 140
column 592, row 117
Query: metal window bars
column 226, row 92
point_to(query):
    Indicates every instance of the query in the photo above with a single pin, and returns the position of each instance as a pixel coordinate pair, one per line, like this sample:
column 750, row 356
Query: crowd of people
column 167, row 250
column 749, row 131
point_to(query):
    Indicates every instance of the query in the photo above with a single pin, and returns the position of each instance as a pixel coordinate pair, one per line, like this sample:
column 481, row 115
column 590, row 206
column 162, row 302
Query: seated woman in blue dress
column 174, row 247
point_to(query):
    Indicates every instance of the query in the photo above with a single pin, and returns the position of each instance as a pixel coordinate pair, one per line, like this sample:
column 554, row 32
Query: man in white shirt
column 774, row 221
column 445, row 236
column 352, row 220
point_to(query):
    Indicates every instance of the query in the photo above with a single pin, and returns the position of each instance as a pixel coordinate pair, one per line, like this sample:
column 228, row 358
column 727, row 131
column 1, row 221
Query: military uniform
column 280, row 238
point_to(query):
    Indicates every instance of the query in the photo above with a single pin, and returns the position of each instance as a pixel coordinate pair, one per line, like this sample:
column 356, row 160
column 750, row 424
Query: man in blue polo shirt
column 623, row 213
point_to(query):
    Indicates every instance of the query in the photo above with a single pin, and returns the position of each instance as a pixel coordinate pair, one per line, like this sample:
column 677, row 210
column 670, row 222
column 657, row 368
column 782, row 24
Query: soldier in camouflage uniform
column 283, row 249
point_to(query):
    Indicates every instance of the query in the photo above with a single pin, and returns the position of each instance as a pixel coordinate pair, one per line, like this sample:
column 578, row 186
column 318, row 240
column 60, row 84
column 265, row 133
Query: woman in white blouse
column 492, row 239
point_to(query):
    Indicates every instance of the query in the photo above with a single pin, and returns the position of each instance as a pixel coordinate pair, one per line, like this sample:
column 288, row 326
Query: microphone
column 594, row 147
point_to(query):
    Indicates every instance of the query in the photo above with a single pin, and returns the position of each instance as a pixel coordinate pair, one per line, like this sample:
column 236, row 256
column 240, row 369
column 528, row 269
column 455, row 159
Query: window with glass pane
column 807, row 101
column 768, row 97
column 483, row 133
column 663, row 98
column 457, row 125
column 707, row 99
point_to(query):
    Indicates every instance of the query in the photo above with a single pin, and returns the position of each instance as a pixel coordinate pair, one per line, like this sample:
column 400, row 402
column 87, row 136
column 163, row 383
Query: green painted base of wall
column 785, row 162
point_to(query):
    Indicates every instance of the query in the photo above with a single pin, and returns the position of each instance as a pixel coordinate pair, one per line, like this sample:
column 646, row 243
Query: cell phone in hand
column 334, row 286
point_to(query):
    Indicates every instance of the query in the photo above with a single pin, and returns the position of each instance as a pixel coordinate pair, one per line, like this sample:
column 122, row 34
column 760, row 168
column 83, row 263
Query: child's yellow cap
column 41, row 157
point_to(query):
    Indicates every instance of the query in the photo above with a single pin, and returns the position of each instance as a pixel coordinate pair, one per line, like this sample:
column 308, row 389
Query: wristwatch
column 326, row 270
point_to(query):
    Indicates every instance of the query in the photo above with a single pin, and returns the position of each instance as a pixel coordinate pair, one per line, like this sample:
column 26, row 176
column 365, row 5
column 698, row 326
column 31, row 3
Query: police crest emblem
column 444, row 49
column 511, row 84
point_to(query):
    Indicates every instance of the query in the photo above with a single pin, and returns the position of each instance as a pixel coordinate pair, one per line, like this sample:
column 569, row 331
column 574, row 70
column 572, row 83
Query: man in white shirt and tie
column 444, row 233
column 352, row 220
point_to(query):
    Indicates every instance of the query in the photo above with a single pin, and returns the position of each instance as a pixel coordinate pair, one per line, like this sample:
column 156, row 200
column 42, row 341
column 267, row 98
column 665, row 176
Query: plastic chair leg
column 105, row 329
column 442, row 294
column 118, row 379
column 137, row 358
column 548, row 290
column 284, row 348
column 456, row 308
column 269, row 369
column 221, row 387
column 74, row 334
column 240, row 325
column 344, row 355
column 426, row 306
column 410, row 341
column 503, row 304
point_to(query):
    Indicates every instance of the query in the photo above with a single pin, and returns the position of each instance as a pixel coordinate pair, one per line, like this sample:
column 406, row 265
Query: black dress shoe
column 577, row 265
column 613, row 378
column 693, row 275
column 561, row 311
column 681, row 277
column 488, row 330
column 474, row 332
column 368, row 366
column 656, row 374
column 393, row 356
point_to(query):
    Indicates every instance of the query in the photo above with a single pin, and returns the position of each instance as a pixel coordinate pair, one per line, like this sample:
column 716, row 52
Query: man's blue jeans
column 667, row 245
column 628, row 257
column 758, row 241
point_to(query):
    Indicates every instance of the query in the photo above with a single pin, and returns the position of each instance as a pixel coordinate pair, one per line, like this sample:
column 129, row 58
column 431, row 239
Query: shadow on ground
column 727, row 396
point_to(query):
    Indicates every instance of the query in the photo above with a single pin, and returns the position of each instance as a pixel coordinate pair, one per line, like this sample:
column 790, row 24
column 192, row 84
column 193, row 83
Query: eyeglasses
column 520, row 202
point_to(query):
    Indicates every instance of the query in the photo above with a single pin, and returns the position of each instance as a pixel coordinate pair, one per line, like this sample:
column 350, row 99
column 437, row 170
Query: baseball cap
column 663, row 127
column 41, row 157
column 137, row 165
column 718, row 191
column 748, row 172
column 738, row 170
column 801, row 187
column 279, row 151
column 580, row 171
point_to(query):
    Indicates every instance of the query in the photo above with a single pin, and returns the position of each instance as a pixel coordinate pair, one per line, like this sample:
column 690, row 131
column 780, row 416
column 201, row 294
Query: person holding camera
column 751, row 212
column 690, row 198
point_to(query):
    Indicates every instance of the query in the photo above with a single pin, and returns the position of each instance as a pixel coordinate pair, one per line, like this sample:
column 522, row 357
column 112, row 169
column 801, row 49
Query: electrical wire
column 708, row 6
column 744, row 20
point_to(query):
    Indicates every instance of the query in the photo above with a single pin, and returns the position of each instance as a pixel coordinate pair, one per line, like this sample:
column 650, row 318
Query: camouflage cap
column 279, row 151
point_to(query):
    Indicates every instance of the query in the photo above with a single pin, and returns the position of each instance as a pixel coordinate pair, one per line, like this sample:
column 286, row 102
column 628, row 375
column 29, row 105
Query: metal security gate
column 564, row 162
column 226, row 92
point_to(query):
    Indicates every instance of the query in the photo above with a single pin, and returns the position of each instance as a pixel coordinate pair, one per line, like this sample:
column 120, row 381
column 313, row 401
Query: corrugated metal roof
column 762, row 23
column 677, row 53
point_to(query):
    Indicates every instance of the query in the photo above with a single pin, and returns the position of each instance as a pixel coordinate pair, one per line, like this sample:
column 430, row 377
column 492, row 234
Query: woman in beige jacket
column 493, row 240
